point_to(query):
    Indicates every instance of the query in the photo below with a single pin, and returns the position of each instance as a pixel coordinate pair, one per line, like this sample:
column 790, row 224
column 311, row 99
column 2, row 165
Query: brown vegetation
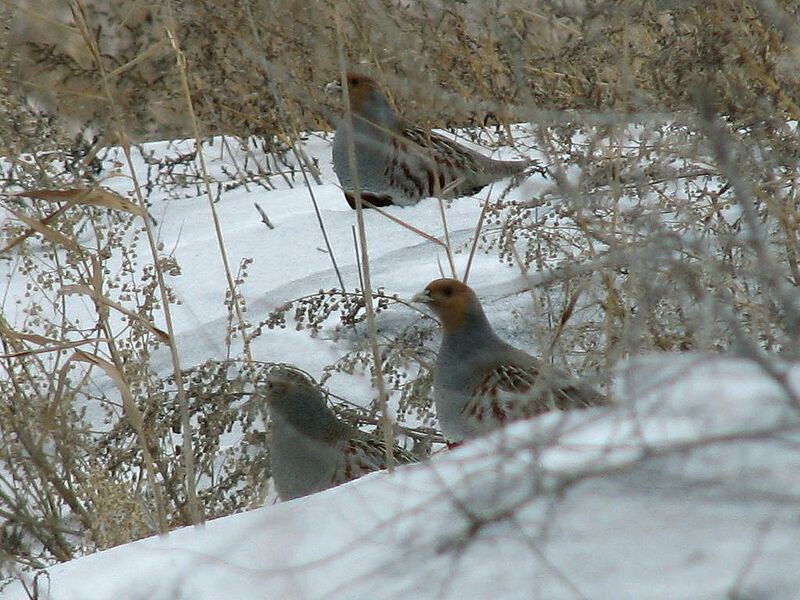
column 711, row 87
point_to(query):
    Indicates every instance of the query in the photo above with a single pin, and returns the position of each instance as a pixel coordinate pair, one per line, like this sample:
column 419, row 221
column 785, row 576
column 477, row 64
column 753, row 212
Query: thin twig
column 304, row 167
column 447, row 248
column 264, row 217
column 79, row 14
column 383, row 404
column 476, row 237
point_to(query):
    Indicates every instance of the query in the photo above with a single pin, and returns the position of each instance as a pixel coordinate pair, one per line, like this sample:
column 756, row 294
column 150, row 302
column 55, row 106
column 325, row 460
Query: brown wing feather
column 454, row 169
column 511, row 392
column 365, row 454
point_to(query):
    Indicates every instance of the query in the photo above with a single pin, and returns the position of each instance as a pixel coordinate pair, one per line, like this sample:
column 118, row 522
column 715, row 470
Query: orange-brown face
column 359, row 88
column 450, row 300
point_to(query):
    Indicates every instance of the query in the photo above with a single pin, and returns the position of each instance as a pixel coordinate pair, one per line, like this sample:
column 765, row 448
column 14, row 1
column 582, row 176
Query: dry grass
column 676, row 229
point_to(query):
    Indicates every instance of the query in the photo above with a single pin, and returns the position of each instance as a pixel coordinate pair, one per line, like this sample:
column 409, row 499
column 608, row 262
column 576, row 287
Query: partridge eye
column 448, row 291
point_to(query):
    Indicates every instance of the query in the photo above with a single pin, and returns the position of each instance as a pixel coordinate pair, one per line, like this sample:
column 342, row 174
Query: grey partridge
column 311, row 448
column 399, row 164
column 480, row 381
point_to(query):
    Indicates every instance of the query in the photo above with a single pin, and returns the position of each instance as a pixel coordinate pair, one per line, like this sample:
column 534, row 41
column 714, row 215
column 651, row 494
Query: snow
column 560, row 507
column 686, row 488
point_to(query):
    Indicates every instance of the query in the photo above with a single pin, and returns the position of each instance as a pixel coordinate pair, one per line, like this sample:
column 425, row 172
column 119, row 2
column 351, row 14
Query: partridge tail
column 498, row 169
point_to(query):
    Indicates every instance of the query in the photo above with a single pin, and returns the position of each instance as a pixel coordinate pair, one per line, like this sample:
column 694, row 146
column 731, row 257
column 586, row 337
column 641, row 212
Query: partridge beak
column 424, row 297
column 333, row 88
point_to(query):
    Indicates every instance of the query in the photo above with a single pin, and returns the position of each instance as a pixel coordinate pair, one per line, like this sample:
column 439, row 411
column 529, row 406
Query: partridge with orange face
column 396, row 163
column 480, row 381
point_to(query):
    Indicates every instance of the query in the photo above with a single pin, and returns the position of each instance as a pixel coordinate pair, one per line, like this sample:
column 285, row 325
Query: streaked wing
column 366, row 454
column 511, row 392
